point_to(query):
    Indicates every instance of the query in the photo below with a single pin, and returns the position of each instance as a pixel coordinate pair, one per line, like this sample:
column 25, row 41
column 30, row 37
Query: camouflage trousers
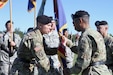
column 21, row 68
column 97, row 70
column 6, row 62
column 52, row 71
column 110, row 66
column 26, row 69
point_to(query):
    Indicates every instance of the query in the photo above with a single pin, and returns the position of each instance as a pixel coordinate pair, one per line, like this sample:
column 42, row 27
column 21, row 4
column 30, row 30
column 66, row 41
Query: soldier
column 91, row 48
column 52, row 41
column 102, row 27
column 10, row 43
column 69, row 53
column 31, row 48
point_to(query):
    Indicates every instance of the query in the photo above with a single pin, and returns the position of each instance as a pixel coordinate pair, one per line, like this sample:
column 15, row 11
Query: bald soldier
column 91, row 48
column 102, row 27
column 31, row 48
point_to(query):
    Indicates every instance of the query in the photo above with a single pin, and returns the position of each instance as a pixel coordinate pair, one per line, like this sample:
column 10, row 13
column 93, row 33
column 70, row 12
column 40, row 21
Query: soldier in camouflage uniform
column 31, row 48
column 69, row 53
column 102, row 27
column 52, row 41
column 8, row 54
column 91, row 48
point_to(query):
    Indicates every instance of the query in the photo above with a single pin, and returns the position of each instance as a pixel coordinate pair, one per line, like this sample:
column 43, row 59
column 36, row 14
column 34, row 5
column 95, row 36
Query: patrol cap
column 79, row 14
column 98, row 23
column 44, row 19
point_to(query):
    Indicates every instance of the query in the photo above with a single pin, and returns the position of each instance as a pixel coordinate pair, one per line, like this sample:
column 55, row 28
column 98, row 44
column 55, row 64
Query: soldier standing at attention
column 31, row 48
column 91, row 48
column 9, row 46
column 102, row 27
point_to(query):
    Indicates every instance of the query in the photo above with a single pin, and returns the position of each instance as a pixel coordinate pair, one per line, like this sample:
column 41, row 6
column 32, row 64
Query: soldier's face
column 76, row 24
column 66, row 33
column 45, row 29
column 102, row 29
column 8, row 27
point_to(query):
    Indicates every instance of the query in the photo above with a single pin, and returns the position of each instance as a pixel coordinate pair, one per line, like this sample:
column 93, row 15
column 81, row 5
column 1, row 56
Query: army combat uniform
column 7, row 56
column 52, row 41
column 91, row 55
column 26, row 54
column 109, row 49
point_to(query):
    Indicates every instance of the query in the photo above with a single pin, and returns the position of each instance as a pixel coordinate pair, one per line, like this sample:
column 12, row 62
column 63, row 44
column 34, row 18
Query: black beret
column 98, row 23
column 44, row 19
column 80, row 13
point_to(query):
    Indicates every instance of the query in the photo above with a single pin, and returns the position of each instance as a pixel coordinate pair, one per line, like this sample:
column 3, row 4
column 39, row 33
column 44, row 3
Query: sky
column 98, row 10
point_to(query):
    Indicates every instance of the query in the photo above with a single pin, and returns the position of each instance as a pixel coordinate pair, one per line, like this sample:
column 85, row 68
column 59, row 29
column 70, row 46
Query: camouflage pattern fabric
column 26, row 53
column 109, row 49
column 91, row 49
column 5, row 59
column 52, row 41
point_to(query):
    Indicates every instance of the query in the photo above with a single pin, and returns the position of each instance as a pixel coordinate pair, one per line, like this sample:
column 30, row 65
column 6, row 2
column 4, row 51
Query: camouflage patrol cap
column 98, row 23
column 44, row 19
column 80, row 13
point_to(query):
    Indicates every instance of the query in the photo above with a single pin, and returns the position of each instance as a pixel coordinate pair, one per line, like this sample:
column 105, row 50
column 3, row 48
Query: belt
column 97, row 63
column 24, row 60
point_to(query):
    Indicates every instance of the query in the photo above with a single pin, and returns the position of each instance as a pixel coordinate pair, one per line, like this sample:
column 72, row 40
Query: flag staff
column 11, row 33
column 35, row 16
column 10, row 7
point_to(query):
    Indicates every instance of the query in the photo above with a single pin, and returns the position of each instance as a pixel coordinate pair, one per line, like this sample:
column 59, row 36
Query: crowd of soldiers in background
column 40, row 46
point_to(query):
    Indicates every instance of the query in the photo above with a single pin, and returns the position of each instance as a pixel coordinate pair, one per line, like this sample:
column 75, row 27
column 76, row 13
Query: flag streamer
column 61, row 24
column 31, row 5
column 59, row 15
column 61, row 55
column 2, row 3
column 41, row 10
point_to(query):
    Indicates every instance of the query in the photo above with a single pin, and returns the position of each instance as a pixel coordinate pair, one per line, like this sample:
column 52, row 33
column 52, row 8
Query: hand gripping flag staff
column 2, row 4
column 61, row 24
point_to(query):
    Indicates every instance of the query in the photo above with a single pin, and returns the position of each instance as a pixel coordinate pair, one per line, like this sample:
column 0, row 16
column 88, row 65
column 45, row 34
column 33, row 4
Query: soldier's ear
column 39, row 26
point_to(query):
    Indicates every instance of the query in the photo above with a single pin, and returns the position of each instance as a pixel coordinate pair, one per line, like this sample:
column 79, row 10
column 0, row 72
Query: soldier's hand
column 12, row 43
column 63, row 40
column 37, row 49
column 77, row 36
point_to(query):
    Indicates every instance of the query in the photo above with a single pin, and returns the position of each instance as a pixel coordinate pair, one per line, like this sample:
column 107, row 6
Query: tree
column 17, row 31
column 111, row 35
